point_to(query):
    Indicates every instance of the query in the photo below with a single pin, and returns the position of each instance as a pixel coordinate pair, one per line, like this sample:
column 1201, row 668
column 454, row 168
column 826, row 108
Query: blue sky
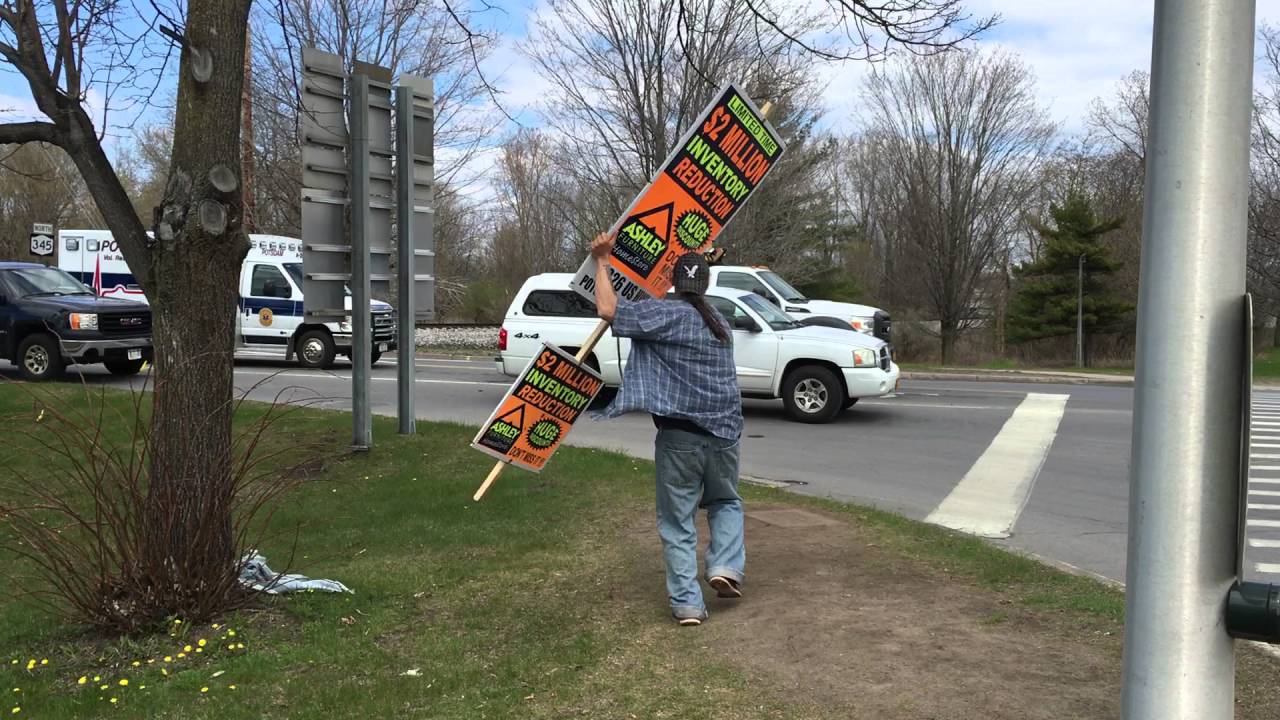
column 1079, row 50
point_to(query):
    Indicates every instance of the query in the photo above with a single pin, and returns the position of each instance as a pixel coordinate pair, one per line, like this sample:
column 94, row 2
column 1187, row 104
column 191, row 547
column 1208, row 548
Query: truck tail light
column 502, row 339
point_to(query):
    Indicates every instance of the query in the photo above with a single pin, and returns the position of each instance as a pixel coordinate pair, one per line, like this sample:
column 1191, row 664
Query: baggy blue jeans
column 698, row 471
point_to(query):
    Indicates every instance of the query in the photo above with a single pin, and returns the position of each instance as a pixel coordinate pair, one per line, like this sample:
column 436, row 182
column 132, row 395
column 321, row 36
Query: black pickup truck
column 48, row 320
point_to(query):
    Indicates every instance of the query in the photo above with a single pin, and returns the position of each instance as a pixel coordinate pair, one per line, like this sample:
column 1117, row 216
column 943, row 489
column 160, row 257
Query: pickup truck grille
column 884, row 358
column 126, row 323
column 384, row 326
column 881, row 327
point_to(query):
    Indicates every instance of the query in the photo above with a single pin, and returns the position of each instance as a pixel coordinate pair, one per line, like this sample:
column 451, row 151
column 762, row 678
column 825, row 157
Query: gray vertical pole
column 1080, row 312
column 407, row 341
column 361, row 335
column 1178, row 660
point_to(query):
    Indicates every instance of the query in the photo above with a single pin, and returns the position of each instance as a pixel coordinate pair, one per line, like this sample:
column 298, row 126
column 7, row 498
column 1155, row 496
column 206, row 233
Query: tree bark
column 193, row 289
column 950, row 333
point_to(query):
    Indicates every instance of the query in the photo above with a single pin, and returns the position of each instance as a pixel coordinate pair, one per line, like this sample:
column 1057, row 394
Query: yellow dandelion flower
column 181, row 655
column 151, row 661
column 104, row 687
column 82, row 680
column 115, row 700
column 164, row 671
column 97, row 678
column 231, row 633
column 142, row 687
column 176, row 621
column 202, row 642
column 199, row 650
column 231, row 687
column 16, row 710
column 137, row 663
column 186, row 648
column 124, row 682
column 45, row 661
column 168, row 658
column 204, row 689
column 31, row 664
column 216, row 626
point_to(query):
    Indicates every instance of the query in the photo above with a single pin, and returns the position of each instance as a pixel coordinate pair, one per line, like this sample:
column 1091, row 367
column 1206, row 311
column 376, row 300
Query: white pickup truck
column 772, row 287
column 816, row 371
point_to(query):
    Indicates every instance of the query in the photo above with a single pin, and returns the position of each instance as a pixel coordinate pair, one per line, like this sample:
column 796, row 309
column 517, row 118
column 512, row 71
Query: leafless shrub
column 81, row 526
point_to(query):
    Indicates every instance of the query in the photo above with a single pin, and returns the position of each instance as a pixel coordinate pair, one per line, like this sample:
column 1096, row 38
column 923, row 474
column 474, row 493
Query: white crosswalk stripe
column 1262, row 529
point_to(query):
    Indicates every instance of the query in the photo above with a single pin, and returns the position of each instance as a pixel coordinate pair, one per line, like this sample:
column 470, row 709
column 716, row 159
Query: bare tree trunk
column 950, row 333
column 196, row 268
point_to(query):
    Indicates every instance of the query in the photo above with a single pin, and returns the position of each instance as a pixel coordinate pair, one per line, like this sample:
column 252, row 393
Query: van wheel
column 812, row 394
column 315, row 350
column 123, row 367
column 40, row 357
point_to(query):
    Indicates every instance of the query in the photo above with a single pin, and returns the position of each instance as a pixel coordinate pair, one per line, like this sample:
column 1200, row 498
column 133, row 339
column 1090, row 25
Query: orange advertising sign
column 704, row 182
column 539, row 409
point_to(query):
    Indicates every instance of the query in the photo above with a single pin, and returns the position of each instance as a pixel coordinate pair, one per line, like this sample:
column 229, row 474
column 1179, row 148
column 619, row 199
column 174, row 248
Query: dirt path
column 832, row 626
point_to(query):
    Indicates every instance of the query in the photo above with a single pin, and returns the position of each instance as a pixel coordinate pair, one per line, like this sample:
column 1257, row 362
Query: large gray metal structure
column 350, row 165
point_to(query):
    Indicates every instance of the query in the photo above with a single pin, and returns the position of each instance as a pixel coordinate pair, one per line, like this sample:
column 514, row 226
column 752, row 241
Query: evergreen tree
column 1045, row 302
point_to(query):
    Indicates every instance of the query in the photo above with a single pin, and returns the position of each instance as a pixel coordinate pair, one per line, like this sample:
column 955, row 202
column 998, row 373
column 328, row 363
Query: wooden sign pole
column 592, row 340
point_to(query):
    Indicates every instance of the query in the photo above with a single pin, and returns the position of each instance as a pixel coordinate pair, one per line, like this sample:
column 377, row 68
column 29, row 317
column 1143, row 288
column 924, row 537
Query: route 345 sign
column 42, row 239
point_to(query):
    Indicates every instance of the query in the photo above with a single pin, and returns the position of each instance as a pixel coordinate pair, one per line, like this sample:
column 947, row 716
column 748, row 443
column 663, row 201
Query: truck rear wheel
column 123, row 367
column 812, row 394
column 40, row 357
column 315, row 350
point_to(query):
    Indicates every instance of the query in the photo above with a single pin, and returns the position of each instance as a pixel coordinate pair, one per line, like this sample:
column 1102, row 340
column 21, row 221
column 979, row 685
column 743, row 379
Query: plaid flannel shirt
column 677, row 368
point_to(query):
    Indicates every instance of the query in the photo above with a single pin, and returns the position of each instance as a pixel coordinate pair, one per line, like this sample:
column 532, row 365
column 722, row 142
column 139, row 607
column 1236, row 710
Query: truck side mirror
column 742, row 322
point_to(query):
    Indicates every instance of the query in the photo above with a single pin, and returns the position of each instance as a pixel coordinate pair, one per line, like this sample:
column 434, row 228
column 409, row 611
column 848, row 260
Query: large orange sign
column 539, row 409
column 707, row 179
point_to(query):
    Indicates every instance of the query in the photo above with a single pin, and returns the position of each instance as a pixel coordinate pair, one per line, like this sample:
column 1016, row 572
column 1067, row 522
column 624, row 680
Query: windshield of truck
column 783, row 288
column 777, row 319
column 295, row 273
column 45, row 281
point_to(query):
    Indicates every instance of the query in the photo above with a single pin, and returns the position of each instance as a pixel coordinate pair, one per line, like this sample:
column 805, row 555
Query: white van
column 270, row 322
column 816, row 371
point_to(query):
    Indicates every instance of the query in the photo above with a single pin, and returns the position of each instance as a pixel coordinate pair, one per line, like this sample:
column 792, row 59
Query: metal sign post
column 361, row 314
column 1178, row 659
column 415, row 119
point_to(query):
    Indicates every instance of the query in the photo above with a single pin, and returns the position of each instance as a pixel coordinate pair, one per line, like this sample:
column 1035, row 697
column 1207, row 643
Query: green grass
column 499, row 607
column 1266, row 364
column 486, row 603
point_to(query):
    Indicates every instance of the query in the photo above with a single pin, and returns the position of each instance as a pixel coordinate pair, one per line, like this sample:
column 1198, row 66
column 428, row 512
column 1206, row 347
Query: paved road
column 1053, row 459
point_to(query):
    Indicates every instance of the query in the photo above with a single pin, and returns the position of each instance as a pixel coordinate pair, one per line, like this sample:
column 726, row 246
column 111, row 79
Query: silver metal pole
column 361, row 336
column 1178, row 660
column 1080, row 312
column 407, row 341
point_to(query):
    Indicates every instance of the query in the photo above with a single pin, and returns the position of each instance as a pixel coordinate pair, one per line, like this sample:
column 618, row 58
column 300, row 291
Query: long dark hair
column 714, row 321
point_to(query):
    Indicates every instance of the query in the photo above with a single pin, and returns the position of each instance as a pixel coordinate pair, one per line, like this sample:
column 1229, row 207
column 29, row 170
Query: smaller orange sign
column 539, row 409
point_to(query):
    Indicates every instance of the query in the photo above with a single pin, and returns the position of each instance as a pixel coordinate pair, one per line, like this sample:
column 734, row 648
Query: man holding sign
column 681, row 371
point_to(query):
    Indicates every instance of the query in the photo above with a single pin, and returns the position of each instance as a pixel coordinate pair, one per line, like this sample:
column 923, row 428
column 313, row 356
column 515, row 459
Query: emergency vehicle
column 270, row 322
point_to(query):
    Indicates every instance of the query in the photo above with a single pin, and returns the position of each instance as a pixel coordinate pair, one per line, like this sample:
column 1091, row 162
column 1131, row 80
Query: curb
column 1018, row 377
column 452, row 356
